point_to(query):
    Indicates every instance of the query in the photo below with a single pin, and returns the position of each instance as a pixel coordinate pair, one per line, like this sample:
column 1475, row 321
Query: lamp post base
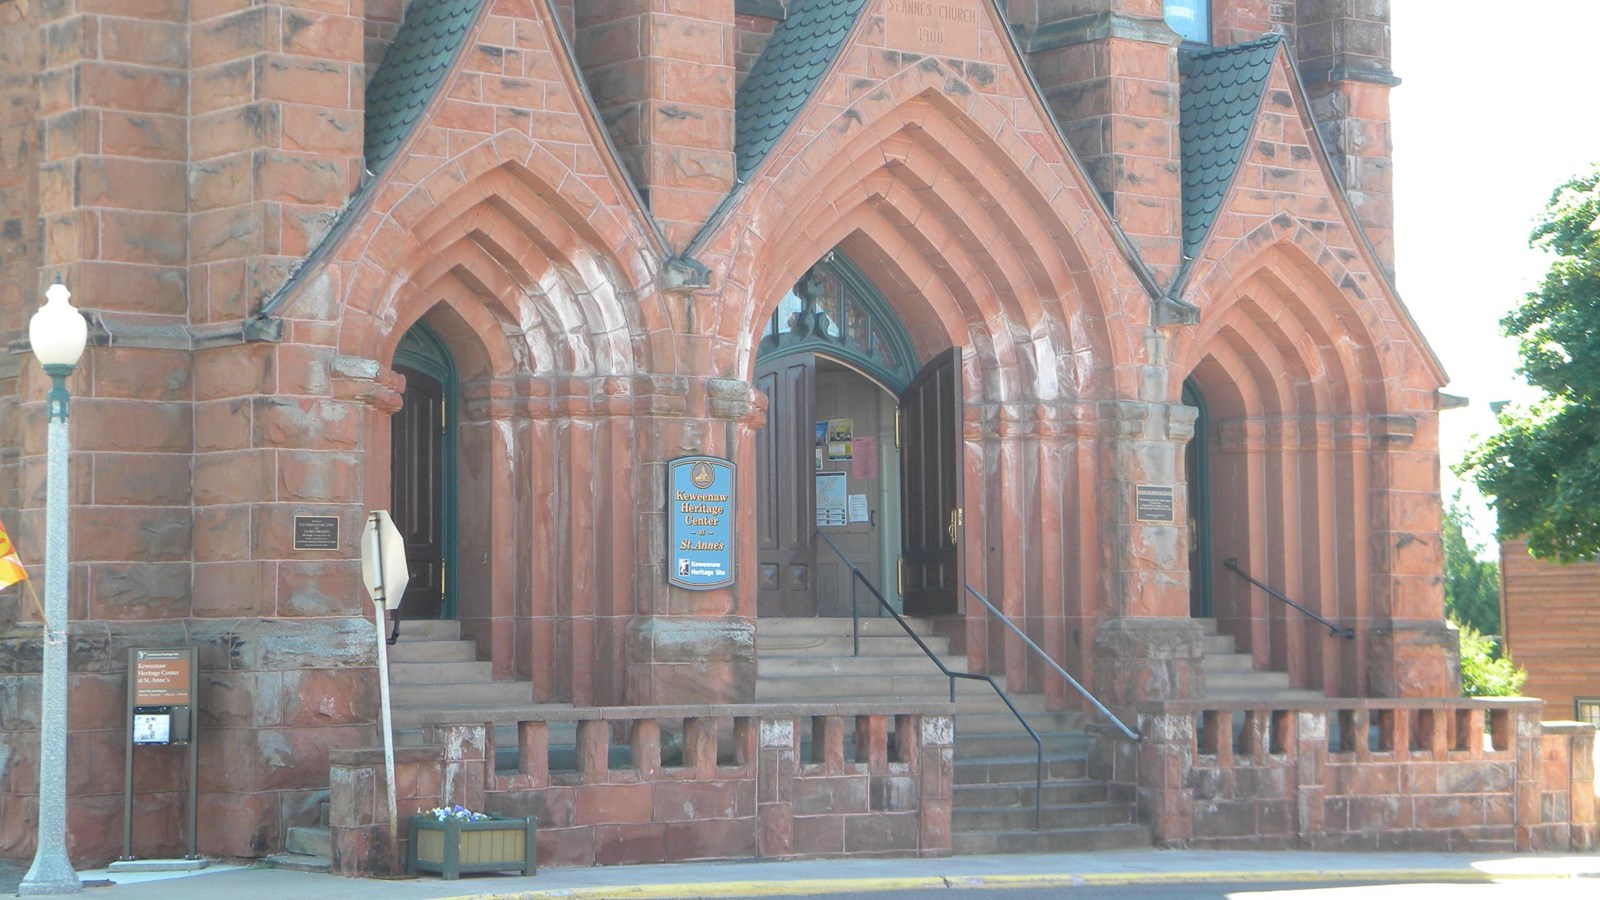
column 50, row 877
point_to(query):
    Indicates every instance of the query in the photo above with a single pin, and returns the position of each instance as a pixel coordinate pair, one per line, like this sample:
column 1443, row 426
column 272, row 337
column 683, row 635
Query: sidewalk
column 755, row 879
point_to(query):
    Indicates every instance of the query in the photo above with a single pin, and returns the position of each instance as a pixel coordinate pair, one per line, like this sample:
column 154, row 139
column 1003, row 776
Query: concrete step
column 309, row 840
column 1207, row 626
column 409, row 651
column 453, row 696
column 1018, row 769
column 299, row 862
column 1055, row 793
column 435, row 672
column 1058, row 840
column 818, row 687
column 1005, row 723
column 1018, row 743
column 1247, row 680
column 1223, row 663
column 1286, row 696
column 836, row 645
column 1219, row 644
column 824, row 626
column 1051, row 816
column 429, row 630
column 863, row 666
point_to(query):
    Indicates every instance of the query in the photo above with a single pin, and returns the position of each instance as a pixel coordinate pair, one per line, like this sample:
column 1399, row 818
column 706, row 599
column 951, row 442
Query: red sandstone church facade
column 495, row 263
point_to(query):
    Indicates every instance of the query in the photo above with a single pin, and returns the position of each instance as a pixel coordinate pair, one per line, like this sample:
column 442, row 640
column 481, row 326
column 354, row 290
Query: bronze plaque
column 934, row 27
column 161, row 678
column 316, row 532
column 1154, row 503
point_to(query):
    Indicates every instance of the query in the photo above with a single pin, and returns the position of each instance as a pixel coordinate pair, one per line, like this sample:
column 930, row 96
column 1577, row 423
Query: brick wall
column 700, row 783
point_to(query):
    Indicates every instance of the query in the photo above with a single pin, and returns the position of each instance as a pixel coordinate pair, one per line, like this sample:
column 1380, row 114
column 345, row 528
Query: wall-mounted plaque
column 935, row 27
column 316, row 532
column 1154, row 503
column 700, row 545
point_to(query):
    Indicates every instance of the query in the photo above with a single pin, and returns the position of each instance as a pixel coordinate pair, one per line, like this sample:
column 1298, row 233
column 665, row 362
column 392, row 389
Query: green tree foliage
column 1483, row 672
column 1541, row 472
column 1471, row 584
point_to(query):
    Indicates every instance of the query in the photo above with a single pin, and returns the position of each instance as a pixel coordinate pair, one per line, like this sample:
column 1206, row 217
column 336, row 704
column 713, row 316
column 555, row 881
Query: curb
column 806, row 887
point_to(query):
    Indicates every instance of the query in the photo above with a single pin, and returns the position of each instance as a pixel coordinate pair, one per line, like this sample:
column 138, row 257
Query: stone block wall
column 1446, row 775
column 700, row 783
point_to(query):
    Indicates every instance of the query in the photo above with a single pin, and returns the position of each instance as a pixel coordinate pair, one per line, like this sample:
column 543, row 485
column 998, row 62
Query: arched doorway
column 860, row 445
column 422, row 468
column 1197, row 469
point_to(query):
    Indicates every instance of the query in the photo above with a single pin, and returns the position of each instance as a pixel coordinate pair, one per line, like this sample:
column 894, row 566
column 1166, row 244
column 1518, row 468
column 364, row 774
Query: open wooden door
column 786, row 517
column 416, row 491
column 930, row 487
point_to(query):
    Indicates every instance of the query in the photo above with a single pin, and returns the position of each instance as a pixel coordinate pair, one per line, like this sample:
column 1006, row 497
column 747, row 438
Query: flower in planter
column 459, row 812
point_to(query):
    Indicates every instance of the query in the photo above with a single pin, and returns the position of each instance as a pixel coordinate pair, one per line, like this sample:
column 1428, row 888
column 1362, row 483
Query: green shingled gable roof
column 427, row 44
column 801, row 48
column 1221, row 95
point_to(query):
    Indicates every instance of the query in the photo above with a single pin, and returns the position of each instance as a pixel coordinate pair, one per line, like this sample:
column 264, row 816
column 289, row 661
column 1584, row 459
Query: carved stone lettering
column 934, row 27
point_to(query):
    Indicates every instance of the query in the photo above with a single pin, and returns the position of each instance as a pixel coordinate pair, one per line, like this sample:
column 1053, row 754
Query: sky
column 1496, row 107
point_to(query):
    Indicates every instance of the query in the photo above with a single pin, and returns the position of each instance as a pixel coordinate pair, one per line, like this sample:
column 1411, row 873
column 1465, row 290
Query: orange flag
column 11, row 570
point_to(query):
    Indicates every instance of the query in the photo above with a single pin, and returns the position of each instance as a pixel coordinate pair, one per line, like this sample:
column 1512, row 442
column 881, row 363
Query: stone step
column 299, row 862
column 863, row 666
column 1288, row 697
column 1223, row 663
column 819, row 687
column 1051, row 816
column 437, row 671
column 1219, row 644
column 1018, row 769
column 993, row 796
column 1057, row 840
column 453, row 696
column 1208, row 626
column 1005, row 723
column 309, row 840
column 843, row 646
column 429, row 630
column 1247, row 680
column 824, row 626
column 983, row 746
column 409, row 651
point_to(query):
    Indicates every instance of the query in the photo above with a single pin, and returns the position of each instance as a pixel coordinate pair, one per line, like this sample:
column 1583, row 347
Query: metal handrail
column 1127, row 732
column 855, row 618
column 1333, row 628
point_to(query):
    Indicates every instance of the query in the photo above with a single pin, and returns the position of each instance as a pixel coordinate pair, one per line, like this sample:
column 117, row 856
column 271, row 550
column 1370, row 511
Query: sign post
column 384, row 573
column 161, row 699
column 700, row 535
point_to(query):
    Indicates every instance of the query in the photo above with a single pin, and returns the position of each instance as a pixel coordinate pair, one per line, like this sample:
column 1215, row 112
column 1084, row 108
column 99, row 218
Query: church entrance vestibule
column 860, row 445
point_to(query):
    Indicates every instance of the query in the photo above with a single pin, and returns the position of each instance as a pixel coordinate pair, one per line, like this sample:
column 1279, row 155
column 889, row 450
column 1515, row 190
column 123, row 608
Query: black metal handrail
column 1127, row 732
column 1333, row 628
column 856, row 576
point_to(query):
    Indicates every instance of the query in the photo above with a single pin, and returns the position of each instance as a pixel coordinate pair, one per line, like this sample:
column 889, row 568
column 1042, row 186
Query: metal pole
column 52, row 872
column 378, row 604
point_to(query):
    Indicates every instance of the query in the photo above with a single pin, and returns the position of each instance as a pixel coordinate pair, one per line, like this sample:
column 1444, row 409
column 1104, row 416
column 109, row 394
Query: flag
column 11, row 570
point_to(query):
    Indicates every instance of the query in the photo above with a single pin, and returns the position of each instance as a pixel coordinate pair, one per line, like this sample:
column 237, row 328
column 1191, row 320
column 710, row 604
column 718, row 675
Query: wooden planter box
column 455, row 846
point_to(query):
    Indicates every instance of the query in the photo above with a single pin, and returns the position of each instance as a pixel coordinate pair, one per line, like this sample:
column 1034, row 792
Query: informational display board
column 162, row 697
column 700, row 535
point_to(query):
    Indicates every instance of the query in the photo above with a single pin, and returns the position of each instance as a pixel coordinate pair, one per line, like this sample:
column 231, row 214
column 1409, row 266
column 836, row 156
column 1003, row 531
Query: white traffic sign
column 383, row 560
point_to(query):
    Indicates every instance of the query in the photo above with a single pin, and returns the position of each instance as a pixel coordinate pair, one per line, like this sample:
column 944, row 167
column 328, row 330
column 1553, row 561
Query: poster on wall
column 839, row 434
column 831, row 498
column 865, row 462
column 700, row 545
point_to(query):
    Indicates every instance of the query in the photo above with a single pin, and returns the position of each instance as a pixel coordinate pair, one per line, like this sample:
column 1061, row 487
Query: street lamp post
column 58, row 333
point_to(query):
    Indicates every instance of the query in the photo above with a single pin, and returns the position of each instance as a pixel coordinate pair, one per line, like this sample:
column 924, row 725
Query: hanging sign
column 700, row 543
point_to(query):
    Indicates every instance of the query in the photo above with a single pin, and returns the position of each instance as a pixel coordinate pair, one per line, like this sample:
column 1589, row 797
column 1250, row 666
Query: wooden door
column 416, row 491
column 930, row 486
column 842, row 393
column 786, row 517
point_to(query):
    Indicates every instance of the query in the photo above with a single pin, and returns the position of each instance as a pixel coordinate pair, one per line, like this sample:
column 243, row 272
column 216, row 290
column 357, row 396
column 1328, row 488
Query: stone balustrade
column 655, row 784
column 1359, row 774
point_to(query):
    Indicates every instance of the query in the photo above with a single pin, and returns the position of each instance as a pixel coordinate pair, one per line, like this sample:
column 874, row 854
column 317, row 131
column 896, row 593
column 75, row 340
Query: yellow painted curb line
column 963, row 882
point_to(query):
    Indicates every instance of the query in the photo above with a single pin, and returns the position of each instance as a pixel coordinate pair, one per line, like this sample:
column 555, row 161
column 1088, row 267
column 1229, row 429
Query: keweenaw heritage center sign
column 700, row 522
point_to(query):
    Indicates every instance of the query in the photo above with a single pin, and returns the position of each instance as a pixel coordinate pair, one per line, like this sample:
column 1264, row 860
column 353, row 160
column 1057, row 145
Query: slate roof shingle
column 412, row 71
column 800, row 50
column 1220, row 97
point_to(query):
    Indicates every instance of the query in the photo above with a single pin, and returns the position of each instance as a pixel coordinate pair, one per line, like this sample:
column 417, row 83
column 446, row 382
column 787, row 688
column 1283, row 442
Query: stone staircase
column 992, row 805
column 1231, row 675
